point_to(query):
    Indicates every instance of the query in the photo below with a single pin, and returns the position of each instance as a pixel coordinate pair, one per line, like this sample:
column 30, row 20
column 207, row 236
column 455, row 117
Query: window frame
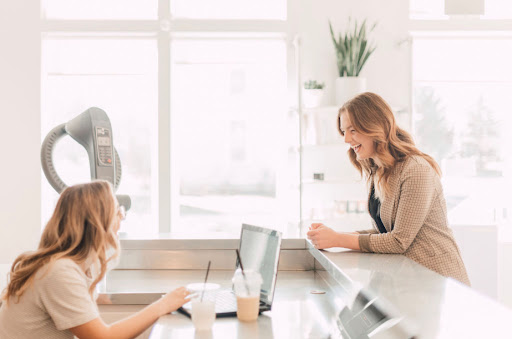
column 163, row 28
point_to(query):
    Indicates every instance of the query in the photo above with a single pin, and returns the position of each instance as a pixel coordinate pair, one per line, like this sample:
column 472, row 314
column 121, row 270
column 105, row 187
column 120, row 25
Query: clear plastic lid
column 199, row 287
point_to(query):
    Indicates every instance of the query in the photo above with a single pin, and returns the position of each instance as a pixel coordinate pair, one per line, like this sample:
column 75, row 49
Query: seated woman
column 405, row 197
column 50, row 293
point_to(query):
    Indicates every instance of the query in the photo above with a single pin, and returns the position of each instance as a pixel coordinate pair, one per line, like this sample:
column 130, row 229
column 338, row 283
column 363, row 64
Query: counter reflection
column 371, row 317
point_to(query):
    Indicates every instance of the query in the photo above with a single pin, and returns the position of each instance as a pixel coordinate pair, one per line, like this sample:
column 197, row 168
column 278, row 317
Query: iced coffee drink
column 247, row 291
column 247, row 308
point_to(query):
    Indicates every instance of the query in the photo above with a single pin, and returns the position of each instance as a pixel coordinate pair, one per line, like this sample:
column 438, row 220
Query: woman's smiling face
column 362, row 145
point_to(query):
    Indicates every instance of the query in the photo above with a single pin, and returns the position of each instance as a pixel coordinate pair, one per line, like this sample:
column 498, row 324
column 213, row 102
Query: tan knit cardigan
column 414, row 215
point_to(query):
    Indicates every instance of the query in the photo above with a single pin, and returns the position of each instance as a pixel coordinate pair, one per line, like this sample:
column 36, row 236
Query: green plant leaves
column 313, row 84
column 352, row 48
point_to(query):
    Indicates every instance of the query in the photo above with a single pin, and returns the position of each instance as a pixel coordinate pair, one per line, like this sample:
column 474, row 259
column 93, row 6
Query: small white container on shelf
column 312, row 97
column 348, row 87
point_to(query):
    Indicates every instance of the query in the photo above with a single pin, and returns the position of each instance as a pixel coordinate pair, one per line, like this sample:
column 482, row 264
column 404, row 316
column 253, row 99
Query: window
column 197, row 98
column 229, row 9
column 119, row 76
column 228, row 120
column 100, row 9
column 434, row 10
column 461, row 85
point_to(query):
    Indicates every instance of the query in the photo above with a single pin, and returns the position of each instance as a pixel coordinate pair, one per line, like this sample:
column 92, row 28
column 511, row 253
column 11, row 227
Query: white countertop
column 296, row 313
column 432, row 306
column 437, row 307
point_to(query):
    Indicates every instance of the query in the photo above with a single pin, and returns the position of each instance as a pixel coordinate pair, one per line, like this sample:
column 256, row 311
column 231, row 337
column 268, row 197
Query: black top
column 374, row 207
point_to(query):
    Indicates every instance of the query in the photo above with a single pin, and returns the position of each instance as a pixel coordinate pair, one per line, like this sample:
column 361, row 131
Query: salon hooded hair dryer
column 93, row 131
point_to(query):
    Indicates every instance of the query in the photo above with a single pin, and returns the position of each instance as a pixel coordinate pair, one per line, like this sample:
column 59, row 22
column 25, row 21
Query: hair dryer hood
column 93, row 131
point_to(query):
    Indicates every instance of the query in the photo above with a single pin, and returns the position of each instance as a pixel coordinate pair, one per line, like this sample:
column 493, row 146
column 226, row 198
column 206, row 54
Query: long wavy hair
column 370, row 115
column 82, row 228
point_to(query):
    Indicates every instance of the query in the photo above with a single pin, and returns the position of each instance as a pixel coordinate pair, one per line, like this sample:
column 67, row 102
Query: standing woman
column 50, row 293
column 405, row 199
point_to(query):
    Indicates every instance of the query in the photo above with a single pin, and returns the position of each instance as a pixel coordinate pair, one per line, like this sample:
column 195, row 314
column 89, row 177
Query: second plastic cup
column 203, row 310
column 247, row 291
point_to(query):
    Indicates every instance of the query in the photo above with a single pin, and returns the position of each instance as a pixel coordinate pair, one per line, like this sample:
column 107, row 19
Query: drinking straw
column 243, row 273
column 205, row 278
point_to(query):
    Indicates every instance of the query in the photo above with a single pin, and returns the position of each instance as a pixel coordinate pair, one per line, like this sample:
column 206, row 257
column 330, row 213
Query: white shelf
column 328, row 181
column 324, row 151
column 327, row 144
column 320, row 109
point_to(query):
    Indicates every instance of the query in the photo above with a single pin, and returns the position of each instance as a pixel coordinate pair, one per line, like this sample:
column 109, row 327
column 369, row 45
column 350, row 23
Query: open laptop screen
column 259, row 251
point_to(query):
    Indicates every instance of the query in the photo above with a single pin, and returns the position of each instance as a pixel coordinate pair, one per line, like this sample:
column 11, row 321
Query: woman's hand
column 322, row 236
column 173, row 300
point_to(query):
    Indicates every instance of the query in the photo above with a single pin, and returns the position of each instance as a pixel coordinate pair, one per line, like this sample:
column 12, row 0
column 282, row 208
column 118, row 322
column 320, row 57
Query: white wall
column 20, row 128
column 387, row 70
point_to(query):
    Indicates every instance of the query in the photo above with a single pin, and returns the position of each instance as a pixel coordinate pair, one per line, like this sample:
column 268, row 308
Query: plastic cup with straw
column 247, row 285
column 205, row 279
column 203, row 309
column 242, row 269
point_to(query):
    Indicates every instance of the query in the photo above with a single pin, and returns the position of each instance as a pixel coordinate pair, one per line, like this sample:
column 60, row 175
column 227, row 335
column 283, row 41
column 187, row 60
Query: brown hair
column 81, row 226
column 370, row 115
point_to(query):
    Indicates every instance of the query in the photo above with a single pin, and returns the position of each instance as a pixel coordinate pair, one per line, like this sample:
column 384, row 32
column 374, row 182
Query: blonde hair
column 81, row 226
column 370, row 115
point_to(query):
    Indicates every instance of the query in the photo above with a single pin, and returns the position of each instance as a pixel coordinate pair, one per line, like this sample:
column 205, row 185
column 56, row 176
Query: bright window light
column 233, row 148
column 462, row 118
column 120, row 77
column 229, row 9
column 100, row 9
column 434, row 10
column 427, row 9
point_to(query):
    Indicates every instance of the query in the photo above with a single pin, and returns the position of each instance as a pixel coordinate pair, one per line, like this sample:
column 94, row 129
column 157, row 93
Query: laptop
column 259, row 251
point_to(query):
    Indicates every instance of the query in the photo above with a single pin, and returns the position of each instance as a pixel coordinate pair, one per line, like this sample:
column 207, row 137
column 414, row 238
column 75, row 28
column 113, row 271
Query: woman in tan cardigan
column 405, row 198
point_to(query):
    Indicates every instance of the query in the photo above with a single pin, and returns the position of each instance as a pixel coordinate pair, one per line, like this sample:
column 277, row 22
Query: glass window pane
column 100, row 9
column 498, row 9
column 229, row 9
column 234, row 156
column 427, row 9
column 462, row 118
column 434, row 10
column 120, row 77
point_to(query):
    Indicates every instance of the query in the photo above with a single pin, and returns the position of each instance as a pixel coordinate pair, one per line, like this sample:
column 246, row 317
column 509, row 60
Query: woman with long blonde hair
column 51, row 291
column 405, row 198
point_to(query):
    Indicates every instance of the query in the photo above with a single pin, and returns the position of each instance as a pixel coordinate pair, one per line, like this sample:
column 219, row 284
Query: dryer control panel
column 104, row 148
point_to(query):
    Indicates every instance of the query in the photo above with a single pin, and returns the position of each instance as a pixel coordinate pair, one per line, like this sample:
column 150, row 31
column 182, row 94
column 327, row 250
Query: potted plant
column 313, row 93
column 352, row 52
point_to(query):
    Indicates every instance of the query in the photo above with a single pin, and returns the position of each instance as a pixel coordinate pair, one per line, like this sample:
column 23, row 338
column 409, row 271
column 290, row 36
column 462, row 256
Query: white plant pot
column 312, row 97
column 348, row 87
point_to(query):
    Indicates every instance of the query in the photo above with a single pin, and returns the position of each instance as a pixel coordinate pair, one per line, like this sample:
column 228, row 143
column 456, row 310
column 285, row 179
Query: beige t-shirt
column 56, row 302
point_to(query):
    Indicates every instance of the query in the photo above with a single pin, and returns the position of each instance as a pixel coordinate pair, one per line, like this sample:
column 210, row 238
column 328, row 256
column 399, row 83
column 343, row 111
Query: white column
column 20, row 170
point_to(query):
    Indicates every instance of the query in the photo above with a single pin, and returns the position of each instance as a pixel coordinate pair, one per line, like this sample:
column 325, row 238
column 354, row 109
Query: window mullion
column 99, row 26
column 164, row 132
column 164, row 113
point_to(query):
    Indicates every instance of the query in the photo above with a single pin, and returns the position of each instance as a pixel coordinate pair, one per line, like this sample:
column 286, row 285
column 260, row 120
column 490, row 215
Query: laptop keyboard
column 225, row 301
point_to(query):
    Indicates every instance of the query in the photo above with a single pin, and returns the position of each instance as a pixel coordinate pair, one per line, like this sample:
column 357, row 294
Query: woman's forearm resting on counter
column 324, row 237
column 133, row 326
